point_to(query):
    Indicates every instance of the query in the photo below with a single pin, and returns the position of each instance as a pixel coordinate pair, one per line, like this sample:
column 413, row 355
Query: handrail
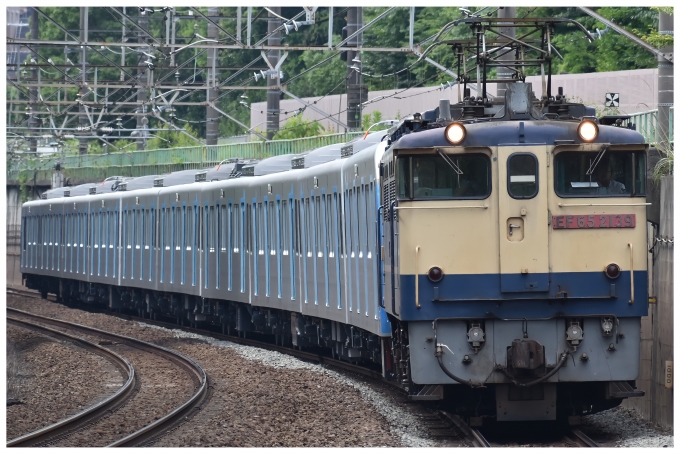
column 441, row 208
column 416, row 273
column 632, row 281
column 603, row 204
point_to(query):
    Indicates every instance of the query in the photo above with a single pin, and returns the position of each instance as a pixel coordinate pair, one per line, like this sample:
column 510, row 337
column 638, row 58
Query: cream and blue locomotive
column 489, row 253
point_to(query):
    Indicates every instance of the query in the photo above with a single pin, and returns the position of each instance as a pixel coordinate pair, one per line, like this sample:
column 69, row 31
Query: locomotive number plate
column 594, row 221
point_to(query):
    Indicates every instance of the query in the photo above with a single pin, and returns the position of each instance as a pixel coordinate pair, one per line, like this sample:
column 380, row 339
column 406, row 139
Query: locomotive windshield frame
column 462, row 176
column 579, row 174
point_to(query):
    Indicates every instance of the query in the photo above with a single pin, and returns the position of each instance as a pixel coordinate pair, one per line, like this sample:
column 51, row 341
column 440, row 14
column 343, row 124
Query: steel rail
column 161, row 425
column 474, row 435
column 581, row 439
column 95, row 411
column 307, row 356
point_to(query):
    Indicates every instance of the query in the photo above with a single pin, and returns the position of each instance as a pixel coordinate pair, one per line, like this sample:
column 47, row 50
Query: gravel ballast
column 263, row 398
column 54, row 381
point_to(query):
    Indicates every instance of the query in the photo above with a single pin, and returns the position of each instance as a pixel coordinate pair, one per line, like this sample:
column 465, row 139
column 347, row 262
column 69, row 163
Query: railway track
column 145, row 435
column 454, row 424
column 67, row 425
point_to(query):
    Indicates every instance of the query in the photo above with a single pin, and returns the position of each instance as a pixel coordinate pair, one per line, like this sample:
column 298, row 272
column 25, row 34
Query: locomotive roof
column 488, row 134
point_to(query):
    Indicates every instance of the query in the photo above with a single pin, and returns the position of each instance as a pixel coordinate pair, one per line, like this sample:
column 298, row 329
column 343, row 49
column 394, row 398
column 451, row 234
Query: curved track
column 146, row 434
column 474, row 436
column 95, row 411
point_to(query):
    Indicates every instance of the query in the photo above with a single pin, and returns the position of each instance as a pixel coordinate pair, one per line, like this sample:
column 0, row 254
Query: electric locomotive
column 515, row 249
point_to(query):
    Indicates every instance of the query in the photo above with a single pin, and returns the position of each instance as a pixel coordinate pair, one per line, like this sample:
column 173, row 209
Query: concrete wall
column 637, row 93
column 657, row 329
column 13, row 236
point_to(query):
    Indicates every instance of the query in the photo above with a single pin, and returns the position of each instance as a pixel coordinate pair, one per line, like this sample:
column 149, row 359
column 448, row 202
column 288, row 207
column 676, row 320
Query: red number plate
column 594, row 221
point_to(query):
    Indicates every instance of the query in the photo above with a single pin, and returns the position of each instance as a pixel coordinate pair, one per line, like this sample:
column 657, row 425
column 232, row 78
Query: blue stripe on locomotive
column 476, row 295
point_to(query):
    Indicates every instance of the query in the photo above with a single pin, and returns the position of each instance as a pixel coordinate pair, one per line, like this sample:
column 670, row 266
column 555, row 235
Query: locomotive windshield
column 465, row 176
column 616, row 174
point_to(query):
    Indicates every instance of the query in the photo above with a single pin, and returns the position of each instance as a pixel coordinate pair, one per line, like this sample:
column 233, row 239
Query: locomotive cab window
column 603, row 174
column 522, row 176
column 461, row 176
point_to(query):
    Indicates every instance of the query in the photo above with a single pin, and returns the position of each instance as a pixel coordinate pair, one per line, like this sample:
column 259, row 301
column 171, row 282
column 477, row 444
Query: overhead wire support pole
column 249, row 30
column 279, row 28
column 330, row 27
column 627, row 34
column 158, row 43
column 236, row 121
column 359, row 30
column 210, row 21
column 411, row 26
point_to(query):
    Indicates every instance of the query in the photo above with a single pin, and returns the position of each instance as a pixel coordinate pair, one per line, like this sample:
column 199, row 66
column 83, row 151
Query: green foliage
column 297, row 127
column 368, row 120
column 655, row 38
column 171, row 138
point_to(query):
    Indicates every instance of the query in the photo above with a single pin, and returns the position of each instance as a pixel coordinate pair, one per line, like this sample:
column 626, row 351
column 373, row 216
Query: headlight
column 455, row 133
column 588, row 130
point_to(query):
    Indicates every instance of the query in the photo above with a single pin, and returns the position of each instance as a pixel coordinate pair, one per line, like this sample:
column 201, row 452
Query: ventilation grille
column 298, row 163
column 200, row 177
column 93, row 190
column 157, row 183
column 347, row 151
column 43, row 196
column 67, row 193
column 123, row 186
column 386, row 201
column 248, row 171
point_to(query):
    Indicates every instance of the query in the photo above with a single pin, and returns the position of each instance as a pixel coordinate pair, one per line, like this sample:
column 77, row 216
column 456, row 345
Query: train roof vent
column 200, row 177
column 347, row 151
column 298, row 163
column 93, row 190
column 43, row 196
column 123, row 186
column 248, row 171
column 157, row 183
column 67, row 193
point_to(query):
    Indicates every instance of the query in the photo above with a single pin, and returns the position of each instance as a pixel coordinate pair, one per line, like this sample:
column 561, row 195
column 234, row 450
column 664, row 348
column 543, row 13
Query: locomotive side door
column 523, row 218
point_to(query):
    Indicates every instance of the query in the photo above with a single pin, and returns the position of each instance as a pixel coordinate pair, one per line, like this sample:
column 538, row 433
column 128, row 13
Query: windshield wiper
column 598, row 158
column 449, row 162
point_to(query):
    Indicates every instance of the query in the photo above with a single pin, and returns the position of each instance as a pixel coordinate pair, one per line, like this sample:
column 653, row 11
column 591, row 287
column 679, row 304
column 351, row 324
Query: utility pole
column 273, row 94
column 82, row 119
column 503, row 72
column 356, row 92
column 33, row 92
column 142, row 93
column 665, row 83
column 211, row 129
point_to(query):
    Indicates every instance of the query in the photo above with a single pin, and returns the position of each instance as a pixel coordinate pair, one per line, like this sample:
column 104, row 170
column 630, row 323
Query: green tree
column 297, row 127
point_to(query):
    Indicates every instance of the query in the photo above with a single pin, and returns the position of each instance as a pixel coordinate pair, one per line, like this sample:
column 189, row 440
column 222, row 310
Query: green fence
column 95, row 167
column 646, row 124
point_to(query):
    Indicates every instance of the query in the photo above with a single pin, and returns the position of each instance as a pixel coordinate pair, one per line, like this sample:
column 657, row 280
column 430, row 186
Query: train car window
column 522, row 176
column 613, row 174
column 279, row 247
column 338, row 243
column 106, row 240
column 328, row 230
column 141, row 237
column 424, row 177
column 242, row 242
column 194, row 242
column 267, row 227
column 115, row 222
column 183, row 243
column 228, row 243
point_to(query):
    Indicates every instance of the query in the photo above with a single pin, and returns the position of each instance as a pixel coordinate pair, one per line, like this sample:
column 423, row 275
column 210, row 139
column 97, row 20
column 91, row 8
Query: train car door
column 523, row 218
